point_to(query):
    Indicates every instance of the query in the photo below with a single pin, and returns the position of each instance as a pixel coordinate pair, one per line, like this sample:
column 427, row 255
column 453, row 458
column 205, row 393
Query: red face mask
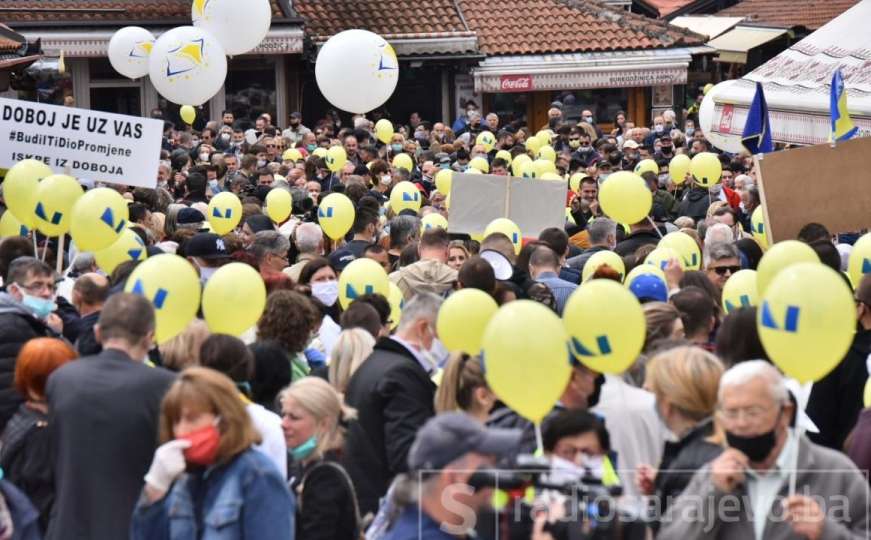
column 204, row 445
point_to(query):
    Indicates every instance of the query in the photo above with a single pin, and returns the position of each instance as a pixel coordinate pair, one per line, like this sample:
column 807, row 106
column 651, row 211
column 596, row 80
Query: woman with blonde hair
column 206, row 465
column 685, row 381
column 315, row 420
column 352, row 347
column 463, row 388
column 183, row 351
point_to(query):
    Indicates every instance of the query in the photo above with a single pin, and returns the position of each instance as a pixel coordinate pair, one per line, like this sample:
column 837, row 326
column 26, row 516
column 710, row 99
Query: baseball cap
column 206, row 246
column 649, row 287
column 501, row 266
column 630, row 144
column 449, row 436
column 189, row 216
column 341, row 258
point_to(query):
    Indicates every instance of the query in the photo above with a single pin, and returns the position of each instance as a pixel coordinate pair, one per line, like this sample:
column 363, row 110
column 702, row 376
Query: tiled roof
column 81, row 11
column 788, row 13
column 9, row 40
column 666, row 7
column 323, row 18
column 559, row 26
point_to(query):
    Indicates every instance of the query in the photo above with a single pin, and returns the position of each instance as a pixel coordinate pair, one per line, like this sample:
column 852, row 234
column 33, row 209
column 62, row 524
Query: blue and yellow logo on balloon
column 388, row 62
column 185, row 58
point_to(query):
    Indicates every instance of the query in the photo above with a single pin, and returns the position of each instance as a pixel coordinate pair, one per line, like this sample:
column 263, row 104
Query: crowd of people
column 331, row 423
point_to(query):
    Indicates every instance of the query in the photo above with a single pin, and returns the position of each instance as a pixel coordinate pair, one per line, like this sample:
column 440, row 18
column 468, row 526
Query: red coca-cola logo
column 726, row 118
column 515, row 83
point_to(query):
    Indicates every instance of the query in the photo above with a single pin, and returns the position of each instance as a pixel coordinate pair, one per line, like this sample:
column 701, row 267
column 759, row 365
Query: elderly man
column 721, row 262
column 270, row 249
column 603, row 236
column 744, row 493
column 309, row 242
column 493, row 122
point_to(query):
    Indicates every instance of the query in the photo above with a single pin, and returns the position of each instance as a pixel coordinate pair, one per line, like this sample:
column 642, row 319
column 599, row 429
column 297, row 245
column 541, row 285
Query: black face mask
column 756, row 447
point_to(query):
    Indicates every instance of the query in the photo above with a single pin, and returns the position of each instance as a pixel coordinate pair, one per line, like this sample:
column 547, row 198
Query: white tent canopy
column 797, row 83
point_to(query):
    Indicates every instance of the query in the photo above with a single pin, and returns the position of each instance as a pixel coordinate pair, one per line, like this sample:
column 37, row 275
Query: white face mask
column 204, row 157
column 437, row 352
column 261, row 163
column 206, row 273
column 327, row 292
column 386, row 179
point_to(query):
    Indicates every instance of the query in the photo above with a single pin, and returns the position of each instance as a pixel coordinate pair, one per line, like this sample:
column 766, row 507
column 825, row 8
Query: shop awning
column 734, row 44
column 579, row 71
column 427, row 45
column 707, row 25
column 95, row 43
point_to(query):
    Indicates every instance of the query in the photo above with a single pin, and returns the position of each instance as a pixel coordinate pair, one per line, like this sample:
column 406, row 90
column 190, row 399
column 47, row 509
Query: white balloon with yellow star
column 357, row 70
column 129, row 50
column 240, row 25
column 188, row 65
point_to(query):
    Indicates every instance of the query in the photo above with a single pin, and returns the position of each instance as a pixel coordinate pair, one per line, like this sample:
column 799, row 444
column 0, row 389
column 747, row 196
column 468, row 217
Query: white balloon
column 188, row 65
column 129, row 50
column 727, row 143
column 240, row 25
column 357, row 71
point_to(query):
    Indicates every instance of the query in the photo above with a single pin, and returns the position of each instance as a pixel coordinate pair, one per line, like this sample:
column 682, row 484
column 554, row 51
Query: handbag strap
column 344, row 474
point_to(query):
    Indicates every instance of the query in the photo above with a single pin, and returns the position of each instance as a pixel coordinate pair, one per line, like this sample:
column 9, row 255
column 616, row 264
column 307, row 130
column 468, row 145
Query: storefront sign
column 726, row 118
column 515, row 83
column 99, row 146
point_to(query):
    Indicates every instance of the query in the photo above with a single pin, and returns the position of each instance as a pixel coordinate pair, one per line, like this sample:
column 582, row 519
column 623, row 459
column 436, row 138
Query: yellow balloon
column 778, row 258
column 606, row 326
column 10, row 226
column 403, row 161
column 866, row 394
column 279, row 204
column 642, row 270
column 678, row 168
column 545, row 136
column 472, row 170
column 487, row 140
column 504, row 154
column 740, row 291
column 646, row 165
column 336, row 215
column 518, row 162
column 625, row 197
column 175, row 300
column 233, row 299
column 551, row 176
column 569, row 217
column 575, row 181
column 405, row 195
column 98, row 219
column 397, row 302
column 527, row 170
column 463, row 318
column 448, row 201
column 291, row 154
column 534, row 144
column 547, row 152
column 480, row 163
column 686, row 247
column 188, row 114
column 707, row 88
column 128, row 247
column 601, row 258
column 19, row 189
column 320, row 151
column 758, row 228
column 525, row 360
column 807, row 320
column 225, row 212
column 706, row 169
column 443, row 180
column 542, row 166
column 362, row 276
column 661, row 256
column 384, row 130
column 860, row 259
column 336, row 158
column 433, row 221
column 509, row 229
column 53, row 205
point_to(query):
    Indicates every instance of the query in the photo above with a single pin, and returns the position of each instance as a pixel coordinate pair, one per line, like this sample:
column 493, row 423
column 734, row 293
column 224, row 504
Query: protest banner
column 478, row 199
column 835, row 194
column 99, row 146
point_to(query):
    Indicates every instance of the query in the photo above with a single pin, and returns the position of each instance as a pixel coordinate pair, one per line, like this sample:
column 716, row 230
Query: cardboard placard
column 478, row 199
column 818, row 184
column 88, row 144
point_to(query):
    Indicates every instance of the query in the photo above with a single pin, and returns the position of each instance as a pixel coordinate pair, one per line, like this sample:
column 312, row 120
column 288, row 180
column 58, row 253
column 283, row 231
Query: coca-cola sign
column 515, row 83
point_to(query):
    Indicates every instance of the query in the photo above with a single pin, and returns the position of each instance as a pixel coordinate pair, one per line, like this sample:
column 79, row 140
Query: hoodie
column 427, row 275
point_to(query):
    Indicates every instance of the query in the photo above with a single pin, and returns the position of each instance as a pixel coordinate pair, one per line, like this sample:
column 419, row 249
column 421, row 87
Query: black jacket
column 17, row 326
column 325, row 504
column 86, row 344
column 103, row 422
column 26, row 459
column 836, row 400
column 393, row 395
column 695, row 203
column 635, row 240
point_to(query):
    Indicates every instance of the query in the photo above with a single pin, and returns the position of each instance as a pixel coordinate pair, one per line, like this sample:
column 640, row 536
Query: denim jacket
column 246, row 498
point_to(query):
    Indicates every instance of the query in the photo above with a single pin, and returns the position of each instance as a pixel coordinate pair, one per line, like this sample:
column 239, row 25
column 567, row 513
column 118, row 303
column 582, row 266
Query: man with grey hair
column 603, row 237
column 493, row 123
column 745, row 492
column 309, row 242
column 721, row 262
column 393, row 394
column 270, row 249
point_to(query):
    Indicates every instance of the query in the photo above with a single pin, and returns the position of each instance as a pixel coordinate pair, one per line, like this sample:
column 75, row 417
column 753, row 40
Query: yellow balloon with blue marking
column 225, row 212
column 433, row 221
column 509, row 229
column 779, row 257
column 758, row 228
column 176, row 301
column 362, row 276
column 646, row 165
column 547, row 152
column 336, row 158
column 53, row 206
column 403, row 161
column 487, row 140
column 740, row 291
column 128, row 247
column 518, row 163
column 10, row 226
column 686, row 247
column 336, row 215
column 19, row 189
column 397, row 302
column 405, row 196
column 98, row 219
column 480, row 163
column 860, row 260
column 661, row 256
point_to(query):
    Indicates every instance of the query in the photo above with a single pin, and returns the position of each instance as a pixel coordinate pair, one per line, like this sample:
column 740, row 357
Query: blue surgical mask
column 41, row 307
column 304, row 450
column 311, row 147
column 213, row 185
column 396, row 148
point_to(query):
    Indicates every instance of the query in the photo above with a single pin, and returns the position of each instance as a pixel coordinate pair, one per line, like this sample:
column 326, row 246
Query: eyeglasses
column 721, row 270
column 753, row 413
column 38, row 287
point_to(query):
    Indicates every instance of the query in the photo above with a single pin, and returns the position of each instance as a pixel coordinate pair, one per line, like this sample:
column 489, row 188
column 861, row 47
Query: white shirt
column 764, row 487
column 328, row 335
column 268, row 424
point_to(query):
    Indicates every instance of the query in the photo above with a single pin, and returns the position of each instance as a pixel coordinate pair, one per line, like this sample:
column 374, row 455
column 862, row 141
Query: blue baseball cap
column 649, row 288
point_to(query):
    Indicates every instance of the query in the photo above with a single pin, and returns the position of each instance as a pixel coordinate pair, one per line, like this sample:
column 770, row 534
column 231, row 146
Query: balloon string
column 655, row 228
column 60, row 252
column 538, row 440
column 35, row 246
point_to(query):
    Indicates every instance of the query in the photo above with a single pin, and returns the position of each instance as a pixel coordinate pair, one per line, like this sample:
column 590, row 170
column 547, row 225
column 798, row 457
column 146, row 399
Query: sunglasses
column 721, row 270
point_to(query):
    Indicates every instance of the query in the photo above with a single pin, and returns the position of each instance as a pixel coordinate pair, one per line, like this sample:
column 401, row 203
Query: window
column 604, row 103
column 250, row 89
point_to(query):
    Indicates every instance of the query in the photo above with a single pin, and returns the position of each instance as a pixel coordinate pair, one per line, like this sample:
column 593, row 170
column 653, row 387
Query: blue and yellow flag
column 842, row 124
column 757, row 131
